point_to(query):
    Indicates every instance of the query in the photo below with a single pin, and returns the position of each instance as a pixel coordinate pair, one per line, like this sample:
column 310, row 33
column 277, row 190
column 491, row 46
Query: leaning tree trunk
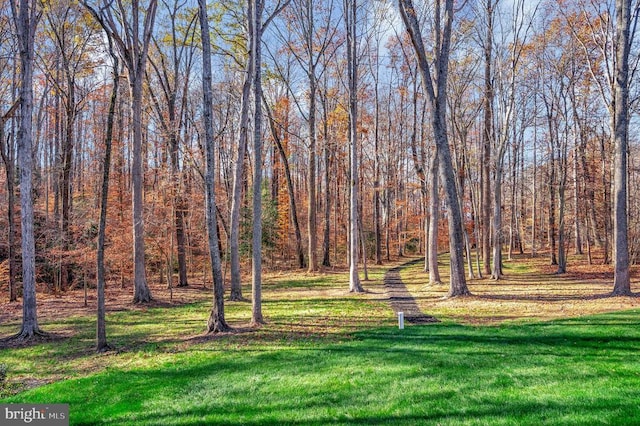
column 290, row 189
column 437, row 99
column 217, row 322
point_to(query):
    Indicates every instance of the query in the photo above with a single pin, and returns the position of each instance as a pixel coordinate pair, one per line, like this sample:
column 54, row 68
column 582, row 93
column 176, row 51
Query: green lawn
column 337, row 360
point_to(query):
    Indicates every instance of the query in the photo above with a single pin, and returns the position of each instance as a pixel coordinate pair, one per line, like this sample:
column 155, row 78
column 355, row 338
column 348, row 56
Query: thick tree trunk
column 26, row 21
column 216, row 322
column 141, row 294
column 621, row 282
column 256, row 285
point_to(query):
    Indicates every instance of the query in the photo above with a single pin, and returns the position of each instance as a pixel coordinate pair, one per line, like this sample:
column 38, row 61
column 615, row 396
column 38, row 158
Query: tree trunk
column 376, row 173
column 25, row 17
column 621, row 282
column 434, row 221
column 606, row 185
column 238, row 174
column 437, row 100
column 216, row 322
column 496, row 270
column 141, row 290
column 8, row 157
column 552, row 210
column 326, row 260
column 487, row 138
column 256, row 285
column 350, row 17
column 311, row 169
column 101, row 331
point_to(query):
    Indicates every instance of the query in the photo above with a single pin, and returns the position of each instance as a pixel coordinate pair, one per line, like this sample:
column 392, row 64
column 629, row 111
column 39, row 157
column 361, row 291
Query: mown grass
column 337, row 359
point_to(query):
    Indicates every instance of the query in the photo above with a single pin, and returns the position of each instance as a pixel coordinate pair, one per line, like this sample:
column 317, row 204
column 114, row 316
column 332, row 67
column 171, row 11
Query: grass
column 327, row 357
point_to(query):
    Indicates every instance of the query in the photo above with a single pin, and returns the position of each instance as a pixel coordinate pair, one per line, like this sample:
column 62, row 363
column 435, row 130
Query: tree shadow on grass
column 401, row 299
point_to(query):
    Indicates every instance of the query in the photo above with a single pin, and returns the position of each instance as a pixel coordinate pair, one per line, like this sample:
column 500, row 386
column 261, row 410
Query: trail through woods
column 400, row 298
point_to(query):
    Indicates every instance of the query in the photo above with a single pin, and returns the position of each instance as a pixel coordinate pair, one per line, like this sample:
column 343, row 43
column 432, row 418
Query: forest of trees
column 190, row 142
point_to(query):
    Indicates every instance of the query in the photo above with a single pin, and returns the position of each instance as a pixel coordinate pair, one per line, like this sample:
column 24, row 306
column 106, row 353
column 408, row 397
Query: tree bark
column 256, row 284
column 8, row 158
column 350, row 17
column 238, row 175
column 25, row 15
column 311, row 169
column 101, row 333
column 496, row 270
column 487, row 138
column 621, row 281
column 434, row 221
column 133, row 49
column 437, row 99
column 216, row 322
column 326, row 240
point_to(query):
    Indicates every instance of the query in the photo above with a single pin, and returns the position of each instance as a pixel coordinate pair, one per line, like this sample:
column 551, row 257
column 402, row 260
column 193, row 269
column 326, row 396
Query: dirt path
column 400, row 298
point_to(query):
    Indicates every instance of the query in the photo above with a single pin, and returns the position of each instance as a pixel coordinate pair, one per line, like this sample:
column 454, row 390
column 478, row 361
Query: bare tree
column 217, row 322
column 352, row 71
column 101, row 330
column 239, row 169
column 434, row 80
column 172, row 69
column 620, row 101
column 122, row 21
column 26, row 14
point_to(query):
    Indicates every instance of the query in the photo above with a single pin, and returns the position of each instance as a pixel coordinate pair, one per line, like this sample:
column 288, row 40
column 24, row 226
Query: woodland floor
column 530, row 290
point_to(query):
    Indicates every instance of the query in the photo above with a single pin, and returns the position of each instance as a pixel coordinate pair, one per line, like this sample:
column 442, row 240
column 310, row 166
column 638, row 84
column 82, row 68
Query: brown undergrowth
column 529, row 290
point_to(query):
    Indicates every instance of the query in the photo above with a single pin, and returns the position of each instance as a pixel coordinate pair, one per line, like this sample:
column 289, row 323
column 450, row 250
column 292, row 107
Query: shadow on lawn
column 401, row 299
column 334, row 383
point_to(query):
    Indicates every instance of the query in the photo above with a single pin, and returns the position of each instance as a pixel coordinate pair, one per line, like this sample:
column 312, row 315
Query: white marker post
column 401, row 320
